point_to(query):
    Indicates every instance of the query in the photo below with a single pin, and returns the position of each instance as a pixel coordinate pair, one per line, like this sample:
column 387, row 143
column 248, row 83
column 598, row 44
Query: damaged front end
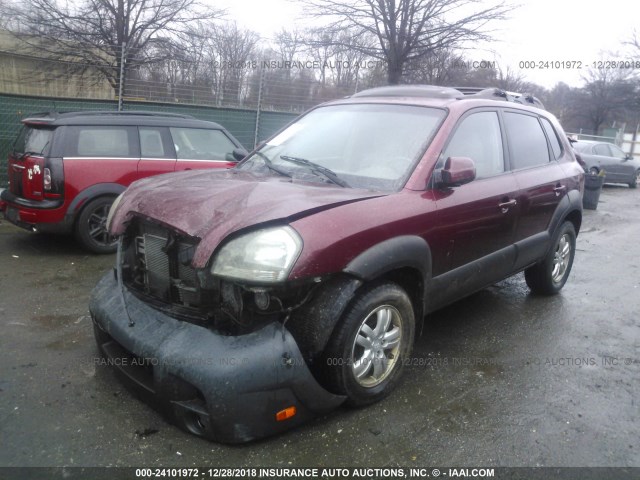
column 224, row 358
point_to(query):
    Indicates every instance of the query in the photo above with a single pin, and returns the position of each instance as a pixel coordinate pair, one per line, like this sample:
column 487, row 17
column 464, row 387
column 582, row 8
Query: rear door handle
column 504, row 206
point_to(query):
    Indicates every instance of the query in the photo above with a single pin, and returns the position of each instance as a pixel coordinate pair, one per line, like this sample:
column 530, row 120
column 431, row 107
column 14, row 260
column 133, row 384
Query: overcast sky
column 537, row 31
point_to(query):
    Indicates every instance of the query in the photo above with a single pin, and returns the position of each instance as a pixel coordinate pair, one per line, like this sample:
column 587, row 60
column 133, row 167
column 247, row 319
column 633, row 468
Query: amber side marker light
column 285, row 414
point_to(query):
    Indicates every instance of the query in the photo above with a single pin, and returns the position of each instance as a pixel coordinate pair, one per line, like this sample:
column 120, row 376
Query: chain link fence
column 245, row 124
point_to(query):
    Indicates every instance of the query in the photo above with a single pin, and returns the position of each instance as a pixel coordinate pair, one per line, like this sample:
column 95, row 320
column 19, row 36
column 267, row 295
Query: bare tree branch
column 90, row 34
column 406, row 30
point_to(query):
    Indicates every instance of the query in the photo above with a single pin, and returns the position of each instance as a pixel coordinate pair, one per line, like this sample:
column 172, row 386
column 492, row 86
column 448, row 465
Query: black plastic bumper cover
column 225, row 388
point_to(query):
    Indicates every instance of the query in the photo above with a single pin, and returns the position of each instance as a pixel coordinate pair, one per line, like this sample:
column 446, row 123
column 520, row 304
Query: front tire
column 549, row 276
column 91, row 227
column 636, row 180
column 369, row 346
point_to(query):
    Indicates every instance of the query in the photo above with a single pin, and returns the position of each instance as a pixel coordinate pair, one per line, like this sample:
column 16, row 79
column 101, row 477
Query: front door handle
column 505, row 206
column 559, row 189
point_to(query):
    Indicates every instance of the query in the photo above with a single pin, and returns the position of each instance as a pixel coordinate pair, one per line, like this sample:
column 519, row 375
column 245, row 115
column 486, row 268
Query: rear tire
column 634, row 184
column 91, row 227
column 368, row 348
column 549, row 276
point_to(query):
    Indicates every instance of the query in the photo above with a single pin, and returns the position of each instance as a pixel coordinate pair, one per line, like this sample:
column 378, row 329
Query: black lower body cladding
column 225, row 388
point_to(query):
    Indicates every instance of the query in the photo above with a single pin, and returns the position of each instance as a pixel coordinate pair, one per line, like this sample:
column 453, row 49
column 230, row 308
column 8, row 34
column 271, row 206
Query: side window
column 602, row 149
column 102, row 141
column 617, row 152
column 527, row 142
column 201, row 144
column 155, row 143
column 478, row 138
column 553, row 137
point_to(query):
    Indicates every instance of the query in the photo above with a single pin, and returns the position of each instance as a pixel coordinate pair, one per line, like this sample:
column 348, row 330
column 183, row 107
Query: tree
column 607, row 94
column 98, row 35
column 408, row 30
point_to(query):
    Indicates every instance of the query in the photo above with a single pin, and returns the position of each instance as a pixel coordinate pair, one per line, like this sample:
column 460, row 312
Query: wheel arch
column 90, row 194
column 405, row 260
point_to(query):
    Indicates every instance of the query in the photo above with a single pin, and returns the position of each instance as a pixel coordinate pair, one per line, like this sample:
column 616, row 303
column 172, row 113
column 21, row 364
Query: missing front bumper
column 225, row 388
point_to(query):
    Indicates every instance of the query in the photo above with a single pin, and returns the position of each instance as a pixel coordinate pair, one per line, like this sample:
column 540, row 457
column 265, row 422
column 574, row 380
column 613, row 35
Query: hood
column 210, row 205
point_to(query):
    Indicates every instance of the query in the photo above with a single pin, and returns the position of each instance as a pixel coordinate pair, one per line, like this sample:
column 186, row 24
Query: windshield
column 364, row 146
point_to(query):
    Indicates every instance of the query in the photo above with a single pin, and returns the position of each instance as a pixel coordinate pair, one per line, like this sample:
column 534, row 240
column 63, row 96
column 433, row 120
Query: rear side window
column 527, row 142
column 602, row 150
column 201, row 144
column 478, row 138
column 102, row 141
column 33, row 140
column 553, row 137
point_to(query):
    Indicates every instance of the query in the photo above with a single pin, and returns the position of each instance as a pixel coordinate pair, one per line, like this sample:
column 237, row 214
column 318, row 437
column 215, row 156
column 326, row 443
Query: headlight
column 112, row 211
column 264, row 256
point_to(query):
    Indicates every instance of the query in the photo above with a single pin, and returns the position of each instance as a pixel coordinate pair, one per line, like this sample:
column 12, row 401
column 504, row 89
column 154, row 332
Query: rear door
column 202, row 148
column 534, row 155
column 157, row 153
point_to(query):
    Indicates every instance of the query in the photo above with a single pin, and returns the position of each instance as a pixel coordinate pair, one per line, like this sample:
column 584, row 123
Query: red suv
column 248, row 300
column 67, row 168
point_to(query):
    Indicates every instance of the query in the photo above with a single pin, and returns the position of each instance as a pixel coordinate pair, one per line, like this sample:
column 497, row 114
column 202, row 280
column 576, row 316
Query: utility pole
column 123, row 59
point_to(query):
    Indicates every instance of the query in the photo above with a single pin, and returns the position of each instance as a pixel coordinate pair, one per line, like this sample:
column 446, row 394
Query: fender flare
column 407, row 251
column 88, row 194
column 571, row 202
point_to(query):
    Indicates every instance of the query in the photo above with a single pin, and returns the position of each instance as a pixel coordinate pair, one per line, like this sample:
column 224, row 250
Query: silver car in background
column 617, row 165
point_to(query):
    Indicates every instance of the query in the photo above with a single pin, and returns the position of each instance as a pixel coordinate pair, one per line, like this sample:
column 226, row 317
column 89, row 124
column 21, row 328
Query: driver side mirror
column 457, row 171
column 239, row 154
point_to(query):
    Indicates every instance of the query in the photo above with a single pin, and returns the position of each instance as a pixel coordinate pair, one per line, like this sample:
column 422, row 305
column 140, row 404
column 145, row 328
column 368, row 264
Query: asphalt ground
column 502, row 378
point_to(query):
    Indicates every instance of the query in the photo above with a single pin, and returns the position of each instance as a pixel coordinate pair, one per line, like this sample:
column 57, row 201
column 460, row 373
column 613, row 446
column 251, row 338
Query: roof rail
column 428, row 91
column 47, row 117
column 145, row 113
column 499, row 94
column 454, row 93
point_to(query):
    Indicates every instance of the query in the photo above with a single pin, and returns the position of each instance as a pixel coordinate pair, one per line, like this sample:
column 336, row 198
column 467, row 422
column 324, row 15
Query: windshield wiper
column 314, row 167
column 21, row 156
column 271, row 166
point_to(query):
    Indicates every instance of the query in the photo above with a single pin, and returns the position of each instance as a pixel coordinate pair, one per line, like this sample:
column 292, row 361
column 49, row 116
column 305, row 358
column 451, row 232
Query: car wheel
column 91, row 227
column 636, row 180
column 549, row 276
column 593, row 171
column 367, row 350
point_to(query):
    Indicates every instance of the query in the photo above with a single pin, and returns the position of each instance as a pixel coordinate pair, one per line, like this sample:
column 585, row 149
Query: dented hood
column 210, row 205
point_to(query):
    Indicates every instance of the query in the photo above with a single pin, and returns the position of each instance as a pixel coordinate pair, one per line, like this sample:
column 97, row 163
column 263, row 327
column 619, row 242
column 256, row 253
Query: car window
column 553, row 137
column 602, row 149
column 617, row 152
column 527, row 142
column 154, row 143
column 101, row 141
column 33, row 140
column 583, row 147
column 201, row 144
column 478, row 138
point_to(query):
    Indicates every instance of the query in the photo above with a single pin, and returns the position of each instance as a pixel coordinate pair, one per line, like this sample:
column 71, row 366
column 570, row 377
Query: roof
column 110, row 117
